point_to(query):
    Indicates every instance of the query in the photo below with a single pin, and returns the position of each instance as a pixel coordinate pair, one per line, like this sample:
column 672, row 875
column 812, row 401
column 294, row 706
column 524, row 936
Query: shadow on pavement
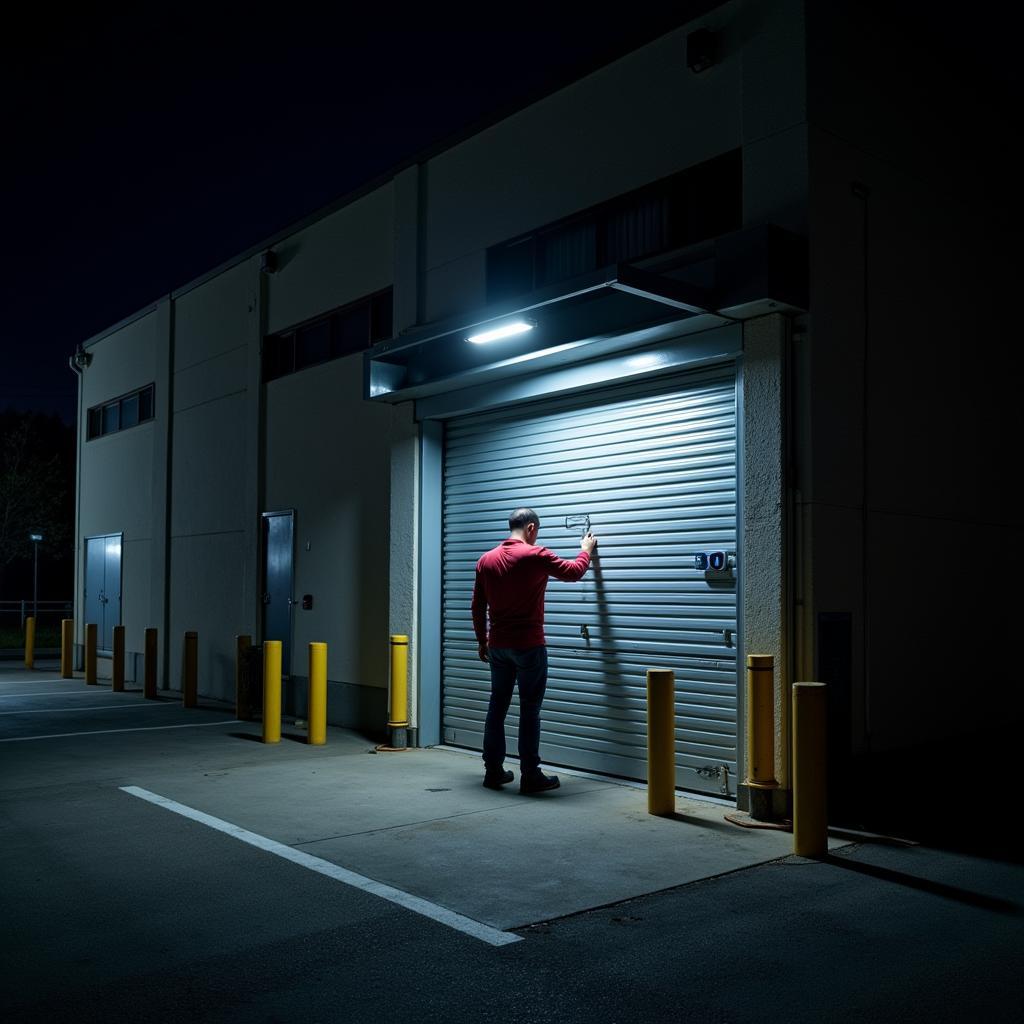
column 949, row 892
column 711, row 825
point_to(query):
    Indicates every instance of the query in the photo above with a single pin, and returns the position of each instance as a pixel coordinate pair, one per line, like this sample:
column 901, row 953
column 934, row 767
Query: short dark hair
column 519, row 519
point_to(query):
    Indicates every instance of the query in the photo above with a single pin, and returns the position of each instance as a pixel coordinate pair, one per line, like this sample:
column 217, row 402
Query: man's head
column 525, row 523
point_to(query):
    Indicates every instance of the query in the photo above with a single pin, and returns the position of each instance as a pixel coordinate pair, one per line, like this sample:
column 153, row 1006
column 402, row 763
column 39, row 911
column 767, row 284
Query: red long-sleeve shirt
column 510, row 584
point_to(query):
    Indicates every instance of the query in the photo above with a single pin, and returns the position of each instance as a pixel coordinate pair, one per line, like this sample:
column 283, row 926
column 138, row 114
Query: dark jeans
column 528, row 668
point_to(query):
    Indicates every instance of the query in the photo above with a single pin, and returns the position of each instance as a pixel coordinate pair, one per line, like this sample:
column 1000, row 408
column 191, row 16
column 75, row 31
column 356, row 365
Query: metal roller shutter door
column 655, row 468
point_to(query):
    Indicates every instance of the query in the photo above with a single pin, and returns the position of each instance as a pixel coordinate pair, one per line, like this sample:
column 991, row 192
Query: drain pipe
column 78, row 363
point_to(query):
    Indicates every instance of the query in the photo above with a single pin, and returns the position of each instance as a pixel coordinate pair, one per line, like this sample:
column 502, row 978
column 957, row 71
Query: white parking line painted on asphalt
column 104, row 732
column 93, row 707
column 416, row 904
column 60, row 693
column 42, row 682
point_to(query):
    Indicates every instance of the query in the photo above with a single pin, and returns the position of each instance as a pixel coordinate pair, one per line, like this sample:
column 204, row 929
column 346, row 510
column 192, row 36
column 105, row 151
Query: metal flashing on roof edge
column 735, row 277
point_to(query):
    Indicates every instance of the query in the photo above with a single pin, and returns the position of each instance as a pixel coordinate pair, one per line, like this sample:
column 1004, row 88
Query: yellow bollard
column 190, row 671
column 810, row 817
column 272, row 691
column 398, row 703
column 90, row 653
column 761, row 734
column 117, row 668
column 149, row 671
column 661, row 741
column 243, row 704
column 317, row 694
column 67, row 643
column 30, row 641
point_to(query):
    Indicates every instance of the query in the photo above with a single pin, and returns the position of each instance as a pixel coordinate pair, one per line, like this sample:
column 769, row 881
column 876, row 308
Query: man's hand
column 481, row 649
column 588, row 543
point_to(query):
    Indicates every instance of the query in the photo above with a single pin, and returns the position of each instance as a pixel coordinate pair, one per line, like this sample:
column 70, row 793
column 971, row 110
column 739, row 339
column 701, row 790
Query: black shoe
column 495, row 780
column 538, row 782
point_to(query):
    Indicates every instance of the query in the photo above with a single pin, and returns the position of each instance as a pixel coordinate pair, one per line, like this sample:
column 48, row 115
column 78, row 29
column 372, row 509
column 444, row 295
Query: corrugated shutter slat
column 654, row 465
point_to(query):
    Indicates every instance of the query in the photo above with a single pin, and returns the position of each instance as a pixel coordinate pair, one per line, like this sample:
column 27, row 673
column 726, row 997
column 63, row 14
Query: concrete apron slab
column 420, row 821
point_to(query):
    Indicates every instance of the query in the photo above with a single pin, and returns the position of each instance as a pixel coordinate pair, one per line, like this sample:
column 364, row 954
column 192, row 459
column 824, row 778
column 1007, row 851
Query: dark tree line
column 37, row 485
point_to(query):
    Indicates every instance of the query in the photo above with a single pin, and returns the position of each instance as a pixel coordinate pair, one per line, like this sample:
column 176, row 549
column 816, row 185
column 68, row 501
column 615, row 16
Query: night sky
column 144, row 149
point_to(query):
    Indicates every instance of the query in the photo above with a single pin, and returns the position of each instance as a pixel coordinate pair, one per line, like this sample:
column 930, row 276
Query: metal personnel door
column 654, row 466
column 103, row 587
column 278, row 554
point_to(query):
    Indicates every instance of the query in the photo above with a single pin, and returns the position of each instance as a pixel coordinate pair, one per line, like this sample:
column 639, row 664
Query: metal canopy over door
column 103, row 587
column 654, row 466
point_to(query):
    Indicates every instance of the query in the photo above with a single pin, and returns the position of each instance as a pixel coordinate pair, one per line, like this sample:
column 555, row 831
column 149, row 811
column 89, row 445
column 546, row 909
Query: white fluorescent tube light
column 507, row 331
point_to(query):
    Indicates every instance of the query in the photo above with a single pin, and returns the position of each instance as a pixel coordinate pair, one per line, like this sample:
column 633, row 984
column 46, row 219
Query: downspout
column 78, row 362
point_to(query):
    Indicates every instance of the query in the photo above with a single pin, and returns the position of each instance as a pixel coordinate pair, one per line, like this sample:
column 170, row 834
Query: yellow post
column 810, row 818
column 149, row 681
column 272, row 691
column 30, row 641
column 761, row 734
column 243, row 706
column 398, row 704
column 190, row 671
column 661, row 741
column 90, row 652
column 117, row 668
column 317, row 694
column 67, row 644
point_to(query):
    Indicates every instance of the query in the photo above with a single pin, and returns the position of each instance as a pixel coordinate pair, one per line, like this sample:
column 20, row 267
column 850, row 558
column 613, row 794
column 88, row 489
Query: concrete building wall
column 902, row 458
column 765, row 594
column 339, row 259
column 639, row 119
column 116, row 482
column 328, row 458
column 635, row 121
column 212, row 564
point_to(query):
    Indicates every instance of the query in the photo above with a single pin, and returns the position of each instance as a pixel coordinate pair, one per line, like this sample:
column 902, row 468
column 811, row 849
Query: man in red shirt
column 510, row 584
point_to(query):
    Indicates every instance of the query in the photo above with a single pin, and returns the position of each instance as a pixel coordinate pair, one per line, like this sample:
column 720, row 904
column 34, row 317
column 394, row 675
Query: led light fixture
column 505, row 331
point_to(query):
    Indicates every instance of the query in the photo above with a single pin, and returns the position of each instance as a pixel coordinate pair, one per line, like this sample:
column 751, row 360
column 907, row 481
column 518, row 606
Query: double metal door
column 103, row 587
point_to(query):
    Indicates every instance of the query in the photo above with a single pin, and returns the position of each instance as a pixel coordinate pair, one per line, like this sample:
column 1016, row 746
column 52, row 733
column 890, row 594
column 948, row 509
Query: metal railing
column 48, row 617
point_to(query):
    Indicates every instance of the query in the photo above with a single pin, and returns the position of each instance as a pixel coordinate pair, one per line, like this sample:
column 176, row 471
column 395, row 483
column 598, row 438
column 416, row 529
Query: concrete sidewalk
column 418, row 820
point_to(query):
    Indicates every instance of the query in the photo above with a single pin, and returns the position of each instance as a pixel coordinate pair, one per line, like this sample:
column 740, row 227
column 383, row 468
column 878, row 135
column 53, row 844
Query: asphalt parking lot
column 162, row 864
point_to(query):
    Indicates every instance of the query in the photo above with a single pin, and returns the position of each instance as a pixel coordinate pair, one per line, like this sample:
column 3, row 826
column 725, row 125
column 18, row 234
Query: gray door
column 103, row 587
column 654, row 467
column 278, row 540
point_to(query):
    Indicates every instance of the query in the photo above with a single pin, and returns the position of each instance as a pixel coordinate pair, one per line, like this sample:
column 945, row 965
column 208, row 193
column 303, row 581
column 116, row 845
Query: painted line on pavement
column 416, row 904
column 91, row 692
column 104, row 732
column 92, row 707
column 56, row 679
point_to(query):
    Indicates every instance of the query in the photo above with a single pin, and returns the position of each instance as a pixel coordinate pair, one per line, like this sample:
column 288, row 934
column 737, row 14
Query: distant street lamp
column 35, row 538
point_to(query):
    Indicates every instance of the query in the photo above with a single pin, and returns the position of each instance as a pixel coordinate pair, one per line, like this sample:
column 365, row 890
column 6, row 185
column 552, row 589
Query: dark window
column 278, row 355
column 381, row 316
column 696, row 204
column 111, row 418
column 313, row 344
column 352, row 328
column 510, row 269
column 566, row 252
column 130, row 411
column 146, row 404
column 127, row 411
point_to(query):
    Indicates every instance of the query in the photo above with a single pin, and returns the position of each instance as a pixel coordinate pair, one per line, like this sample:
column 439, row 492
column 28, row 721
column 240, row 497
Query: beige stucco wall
column 765, row 580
